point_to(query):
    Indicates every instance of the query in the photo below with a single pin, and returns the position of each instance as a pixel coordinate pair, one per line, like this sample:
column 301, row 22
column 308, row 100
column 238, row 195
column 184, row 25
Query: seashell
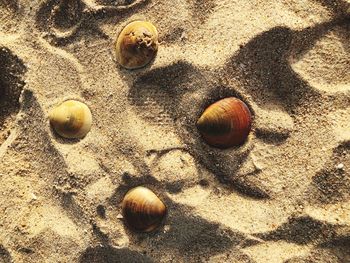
column 71, row 119
column 137, row 44
column 226, row 123
column 143, row 210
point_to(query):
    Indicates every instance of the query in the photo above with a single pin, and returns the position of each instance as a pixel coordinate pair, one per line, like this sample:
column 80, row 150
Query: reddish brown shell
column 226, row 123
column 142, row 210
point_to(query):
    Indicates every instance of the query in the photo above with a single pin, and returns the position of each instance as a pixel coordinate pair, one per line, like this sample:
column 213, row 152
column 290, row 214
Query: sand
column 282, row 197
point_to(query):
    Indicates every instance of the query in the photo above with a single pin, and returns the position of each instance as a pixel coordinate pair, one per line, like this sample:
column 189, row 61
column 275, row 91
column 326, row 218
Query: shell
column 137, row 44
column 142, row 210
column 226, row 123
column 72, row 119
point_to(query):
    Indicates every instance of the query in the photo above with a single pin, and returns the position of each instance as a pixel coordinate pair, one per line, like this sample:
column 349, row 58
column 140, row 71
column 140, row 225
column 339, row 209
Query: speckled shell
column 72, row 119
column 137, row 44
column 142, row 210
column 226, row 123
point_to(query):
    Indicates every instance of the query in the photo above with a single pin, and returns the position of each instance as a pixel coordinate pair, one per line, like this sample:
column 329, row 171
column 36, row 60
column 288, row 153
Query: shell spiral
column 226, row 123
column 137, row 44
column 142, row 210
column 71, row 119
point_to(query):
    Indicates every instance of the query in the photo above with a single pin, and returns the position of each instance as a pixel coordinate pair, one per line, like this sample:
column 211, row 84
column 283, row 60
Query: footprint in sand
column 67, row 20
column 311, row 55
column 60, row 20
column 278, row 163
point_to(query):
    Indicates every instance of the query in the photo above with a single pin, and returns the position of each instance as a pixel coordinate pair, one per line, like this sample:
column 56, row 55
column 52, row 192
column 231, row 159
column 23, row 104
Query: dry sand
column 282, row 197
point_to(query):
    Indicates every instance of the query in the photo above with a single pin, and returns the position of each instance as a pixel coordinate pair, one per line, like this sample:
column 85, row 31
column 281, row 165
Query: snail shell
column 137, row 44
column 143, row 210
column 71, row 119
column 226, row 123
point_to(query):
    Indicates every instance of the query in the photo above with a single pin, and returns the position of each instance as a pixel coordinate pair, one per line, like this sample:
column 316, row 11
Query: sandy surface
column 282, row 197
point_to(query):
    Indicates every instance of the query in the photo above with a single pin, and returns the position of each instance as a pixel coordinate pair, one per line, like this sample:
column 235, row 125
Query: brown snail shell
column 137, row 44
column 142, row 210
column 226, row 123
column 71, row 119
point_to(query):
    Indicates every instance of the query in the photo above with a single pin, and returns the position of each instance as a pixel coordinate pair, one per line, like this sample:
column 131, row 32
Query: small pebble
column 340, row 166
column 119, row 216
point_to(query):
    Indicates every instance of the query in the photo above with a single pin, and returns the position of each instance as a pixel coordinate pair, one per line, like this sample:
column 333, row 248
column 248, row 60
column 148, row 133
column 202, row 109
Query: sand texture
column 282, row 197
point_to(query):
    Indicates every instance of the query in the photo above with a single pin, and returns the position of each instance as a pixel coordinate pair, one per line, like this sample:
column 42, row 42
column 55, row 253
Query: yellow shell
column 137, row 44
column 143, row 210
column 72, row 119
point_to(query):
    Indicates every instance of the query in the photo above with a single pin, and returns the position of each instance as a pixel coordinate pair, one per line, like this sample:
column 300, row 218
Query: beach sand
column 282, row 197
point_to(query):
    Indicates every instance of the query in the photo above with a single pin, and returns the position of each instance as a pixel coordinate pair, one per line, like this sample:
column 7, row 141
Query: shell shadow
column 61, row 139
column 202, row 238
column 331, row 241
column 300, row 230
column 332, row 184
column 335, row 250
column 106, row 254
column 12, row 71
column 339, row 246
column 316, row 255
column 192, row 235
column 264, row 64
column 33, row 127
column 337, row 7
